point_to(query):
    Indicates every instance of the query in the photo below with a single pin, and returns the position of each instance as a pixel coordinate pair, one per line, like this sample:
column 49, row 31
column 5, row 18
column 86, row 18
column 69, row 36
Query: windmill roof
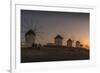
column 58, row 36
column 77, row 41
column 69, row 39
column 30, row 32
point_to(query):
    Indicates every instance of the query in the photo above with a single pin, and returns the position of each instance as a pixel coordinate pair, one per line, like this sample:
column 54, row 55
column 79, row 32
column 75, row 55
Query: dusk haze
column 45, row 32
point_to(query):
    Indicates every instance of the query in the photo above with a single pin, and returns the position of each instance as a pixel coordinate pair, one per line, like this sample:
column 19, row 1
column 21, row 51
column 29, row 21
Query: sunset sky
column 67, row 24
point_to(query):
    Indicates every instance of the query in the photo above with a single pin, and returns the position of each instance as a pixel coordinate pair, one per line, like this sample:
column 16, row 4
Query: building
column 77, row 44
column 50, row 44
column 69, row 43
column 30, row 38
column 58, row 40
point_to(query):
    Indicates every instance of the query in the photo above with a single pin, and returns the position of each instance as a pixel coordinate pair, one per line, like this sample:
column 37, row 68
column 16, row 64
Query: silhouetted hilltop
column 53, row 54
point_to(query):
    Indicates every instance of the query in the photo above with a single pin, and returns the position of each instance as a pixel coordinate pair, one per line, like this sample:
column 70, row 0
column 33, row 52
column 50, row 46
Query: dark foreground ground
column 53, row 54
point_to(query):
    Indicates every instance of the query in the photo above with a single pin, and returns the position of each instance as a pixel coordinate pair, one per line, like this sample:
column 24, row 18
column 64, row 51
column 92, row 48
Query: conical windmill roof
column 77, row 41
column 30, row 32
column 69, row 40
column 58, row 36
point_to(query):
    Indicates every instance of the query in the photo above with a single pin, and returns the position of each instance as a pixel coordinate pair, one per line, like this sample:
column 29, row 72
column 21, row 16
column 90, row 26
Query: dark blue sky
column 68, row 24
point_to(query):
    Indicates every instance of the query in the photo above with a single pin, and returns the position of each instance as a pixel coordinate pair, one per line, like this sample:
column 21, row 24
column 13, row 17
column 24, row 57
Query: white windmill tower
column 31, row 36
column 77, row 44
column 58, row 40
column 70, row 41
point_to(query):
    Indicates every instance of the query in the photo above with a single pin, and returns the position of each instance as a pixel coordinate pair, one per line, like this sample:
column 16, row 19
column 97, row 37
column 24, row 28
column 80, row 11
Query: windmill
column 71, row 38
column 32, row 36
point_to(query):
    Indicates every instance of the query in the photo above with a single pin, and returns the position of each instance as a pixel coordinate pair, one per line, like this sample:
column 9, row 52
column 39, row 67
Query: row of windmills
column 30, row 39
column 59, row 42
